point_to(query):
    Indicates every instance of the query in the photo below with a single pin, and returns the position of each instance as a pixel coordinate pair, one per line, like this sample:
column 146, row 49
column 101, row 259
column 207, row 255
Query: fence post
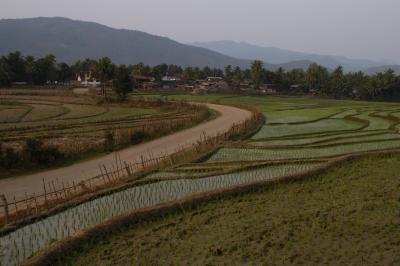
column 128, row 171
column 16, row 209
column 45, row 192
column 3, row 198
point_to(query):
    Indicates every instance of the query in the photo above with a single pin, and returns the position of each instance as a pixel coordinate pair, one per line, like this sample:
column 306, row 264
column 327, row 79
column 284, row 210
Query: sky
column 354, row 28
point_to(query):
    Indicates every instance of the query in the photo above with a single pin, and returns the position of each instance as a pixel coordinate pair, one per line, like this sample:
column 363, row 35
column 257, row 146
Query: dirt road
column 32, row 183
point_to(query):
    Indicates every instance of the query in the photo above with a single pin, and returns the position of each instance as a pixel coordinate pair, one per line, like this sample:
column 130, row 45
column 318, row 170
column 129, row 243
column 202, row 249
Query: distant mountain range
column 274, row 55
column 72, row 40
column 373, row 70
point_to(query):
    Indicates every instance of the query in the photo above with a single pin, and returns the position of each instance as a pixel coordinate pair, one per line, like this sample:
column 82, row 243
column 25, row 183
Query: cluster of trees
column 34, row 153
column 338, row 84
column 16, row 68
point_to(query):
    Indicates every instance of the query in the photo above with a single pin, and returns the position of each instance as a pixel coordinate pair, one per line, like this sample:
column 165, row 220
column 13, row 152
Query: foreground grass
column 347, row 216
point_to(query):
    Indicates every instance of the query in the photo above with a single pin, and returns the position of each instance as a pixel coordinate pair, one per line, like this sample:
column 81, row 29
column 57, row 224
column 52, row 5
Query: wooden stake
column 108, row 177
column 141, row 157
column 6, row 214
column 102, row 175
column 54, row 189
column 16, row 208
column 36, row 203
column 128, row 170
column 26, row 203
column 45, row 192
column 65, row 192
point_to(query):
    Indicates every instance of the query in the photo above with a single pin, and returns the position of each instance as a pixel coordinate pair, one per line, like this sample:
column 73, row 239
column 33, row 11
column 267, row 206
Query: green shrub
column 139, row 136
column 11, row 158
column 109, row 140
column 36, row 153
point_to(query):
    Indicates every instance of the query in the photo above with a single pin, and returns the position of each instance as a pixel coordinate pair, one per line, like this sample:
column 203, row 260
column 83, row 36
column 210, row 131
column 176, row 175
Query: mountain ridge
column 275, row 55
column 71, row 40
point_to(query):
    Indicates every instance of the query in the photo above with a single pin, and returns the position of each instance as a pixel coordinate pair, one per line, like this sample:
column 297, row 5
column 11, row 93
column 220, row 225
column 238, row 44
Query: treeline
column 317, row 79
column 18, row 68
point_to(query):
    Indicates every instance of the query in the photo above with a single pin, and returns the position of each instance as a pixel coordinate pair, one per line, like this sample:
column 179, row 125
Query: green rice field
column 347, row 216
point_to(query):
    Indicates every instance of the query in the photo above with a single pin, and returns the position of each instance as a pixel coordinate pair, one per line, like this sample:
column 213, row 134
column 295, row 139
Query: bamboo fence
column 56, row 192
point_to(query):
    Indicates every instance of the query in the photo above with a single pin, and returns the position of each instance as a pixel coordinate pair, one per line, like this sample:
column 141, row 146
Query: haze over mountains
column 71, row 40
column 278, row 56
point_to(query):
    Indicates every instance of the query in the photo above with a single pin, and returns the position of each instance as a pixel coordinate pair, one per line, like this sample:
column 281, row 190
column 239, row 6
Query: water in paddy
column 22, row 243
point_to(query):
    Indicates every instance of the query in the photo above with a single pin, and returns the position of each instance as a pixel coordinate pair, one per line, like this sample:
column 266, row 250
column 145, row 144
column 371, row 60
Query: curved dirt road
column 32, row 183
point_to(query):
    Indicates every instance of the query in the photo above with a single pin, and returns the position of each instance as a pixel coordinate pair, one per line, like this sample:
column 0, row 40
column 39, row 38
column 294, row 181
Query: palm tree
column 257, row 69
column 237, row 77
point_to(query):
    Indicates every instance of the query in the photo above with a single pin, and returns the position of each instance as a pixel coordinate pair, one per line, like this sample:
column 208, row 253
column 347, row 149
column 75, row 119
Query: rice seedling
column 300, row 115
column 251, row 154
column 326, row 140
column 374, row 122
column 36, row 236
column 345, row 216
column 326, row 125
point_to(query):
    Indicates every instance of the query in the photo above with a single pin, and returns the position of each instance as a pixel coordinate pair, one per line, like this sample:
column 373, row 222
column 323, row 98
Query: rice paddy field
column 77, row 125
column 347, row 216
column 312, row 222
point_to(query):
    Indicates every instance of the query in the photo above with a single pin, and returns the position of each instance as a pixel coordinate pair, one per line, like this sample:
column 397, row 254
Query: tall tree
column 29, row 68
column 238, row 77
column 228, row 75
column 16, row 66
column 336, row 86
column 104, row 71
column 44, row 70
column 160, row 71
column 257, row 69
column 4, row 72
column 188, row 73
column 122, row 83
column 208, row 72
column 64, row 73
column 295, row 76
column 316, row 77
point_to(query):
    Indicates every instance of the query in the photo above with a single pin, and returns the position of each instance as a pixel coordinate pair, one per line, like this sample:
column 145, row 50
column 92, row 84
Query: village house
column 246, row 85
column 168, row 82
column 144, row 82
column 214, row 79
column 268, row 88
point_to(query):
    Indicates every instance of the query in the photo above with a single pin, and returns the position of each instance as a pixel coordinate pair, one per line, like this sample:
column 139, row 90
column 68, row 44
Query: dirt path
column 32, row 183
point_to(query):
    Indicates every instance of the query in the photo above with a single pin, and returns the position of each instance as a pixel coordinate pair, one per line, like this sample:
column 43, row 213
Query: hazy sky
column 354, row 28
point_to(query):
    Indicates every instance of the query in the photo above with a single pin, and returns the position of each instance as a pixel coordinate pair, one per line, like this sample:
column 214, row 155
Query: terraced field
column 76, row 125
column 345, row 216
column 302, row 129
column 299, row 136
